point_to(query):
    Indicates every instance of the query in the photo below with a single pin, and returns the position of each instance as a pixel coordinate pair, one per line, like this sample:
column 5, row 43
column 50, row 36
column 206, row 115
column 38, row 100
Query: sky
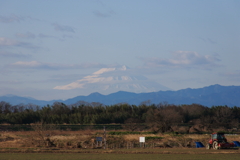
column 178, row 44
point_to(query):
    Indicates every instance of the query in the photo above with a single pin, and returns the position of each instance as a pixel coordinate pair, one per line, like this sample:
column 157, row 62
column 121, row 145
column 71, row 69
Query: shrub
column 126, row 133
column 153, row 138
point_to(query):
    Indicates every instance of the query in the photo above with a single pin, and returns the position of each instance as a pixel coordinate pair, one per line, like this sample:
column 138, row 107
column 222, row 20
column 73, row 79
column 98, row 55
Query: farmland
column 52, row 136
column 140, row 154
column 82, row 145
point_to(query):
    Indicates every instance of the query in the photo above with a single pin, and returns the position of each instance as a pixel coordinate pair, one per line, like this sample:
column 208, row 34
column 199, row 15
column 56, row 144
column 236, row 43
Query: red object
column 219, row 141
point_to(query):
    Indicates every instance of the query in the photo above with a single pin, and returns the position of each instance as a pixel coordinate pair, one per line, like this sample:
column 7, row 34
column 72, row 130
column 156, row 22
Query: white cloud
column 10, row 54
column 10, row 19
column 105, row 10
column 231, row 74
column 63, row 28
column 79, row 84
column 47, row 36
column 52, row 66
column 8, row 42
column 183, row 59
column 103, row 14
column 33, row 65
column 103, row 70
column 27, row 64
column 25, row 35
column 16, row 18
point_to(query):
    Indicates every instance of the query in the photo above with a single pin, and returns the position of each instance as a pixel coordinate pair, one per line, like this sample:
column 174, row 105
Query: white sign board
column 142, row 139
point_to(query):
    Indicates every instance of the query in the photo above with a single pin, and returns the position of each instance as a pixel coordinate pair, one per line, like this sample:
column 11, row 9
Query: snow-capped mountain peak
column 109, row 80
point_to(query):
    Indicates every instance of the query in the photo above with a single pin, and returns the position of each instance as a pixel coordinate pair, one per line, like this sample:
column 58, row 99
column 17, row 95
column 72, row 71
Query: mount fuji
column 110, row 80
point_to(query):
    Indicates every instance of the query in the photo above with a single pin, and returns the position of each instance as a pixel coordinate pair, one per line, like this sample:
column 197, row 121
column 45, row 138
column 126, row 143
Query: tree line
column 160, row 117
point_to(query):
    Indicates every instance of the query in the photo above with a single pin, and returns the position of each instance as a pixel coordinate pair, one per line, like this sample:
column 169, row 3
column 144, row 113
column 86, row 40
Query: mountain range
column 213, row 95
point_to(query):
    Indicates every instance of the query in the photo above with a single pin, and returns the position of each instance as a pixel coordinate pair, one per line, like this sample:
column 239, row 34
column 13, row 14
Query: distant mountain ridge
column 16, row 100
column 213, row 95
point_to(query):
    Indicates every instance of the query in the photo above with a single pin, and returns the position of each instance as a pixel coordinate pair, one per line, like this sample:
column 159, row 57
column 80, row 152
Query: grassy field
column 113, row 156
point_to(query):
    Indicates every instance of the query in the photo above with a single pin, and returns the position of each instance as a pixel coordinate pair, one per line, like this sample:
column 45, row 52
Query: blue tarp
column 237, row 144
column 199, row 145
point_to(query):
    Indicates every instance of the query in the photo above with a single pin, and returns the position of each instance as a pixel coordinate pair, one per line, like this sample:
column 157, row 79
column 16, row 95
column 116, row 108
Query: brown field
column 86, row 139
column 47, row 156
column 184, row 155
column 82, row 145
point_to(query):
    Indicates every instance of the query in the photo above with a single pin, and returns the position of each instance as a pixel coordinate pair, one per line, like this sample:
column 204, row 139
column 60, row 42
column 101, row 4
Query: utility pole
column 104, row 137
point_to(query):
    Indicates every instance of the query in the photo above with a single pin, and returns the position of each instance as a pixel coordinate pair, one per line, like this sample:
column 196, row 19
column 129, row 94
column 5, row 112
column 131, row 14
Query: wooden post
column 104, row 137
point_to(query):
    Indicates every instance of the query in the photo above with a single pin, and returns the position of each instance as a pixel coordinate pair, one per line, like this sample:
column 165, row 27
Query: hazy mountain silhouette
column 208, row 96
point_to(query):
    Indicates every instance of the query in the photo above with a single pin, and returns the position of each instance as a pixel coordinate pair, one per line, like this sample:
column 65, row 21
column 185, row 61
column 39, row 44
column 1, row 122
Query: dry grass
column 231, row 138
column 86, row 139
column 134, row 137
column 11, row 144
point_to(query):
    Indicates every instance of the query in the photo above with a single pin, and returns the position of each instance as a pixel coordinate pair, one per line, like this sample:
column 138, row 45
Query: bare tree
column 43, row 134
column 132, row 124
column 162, row 118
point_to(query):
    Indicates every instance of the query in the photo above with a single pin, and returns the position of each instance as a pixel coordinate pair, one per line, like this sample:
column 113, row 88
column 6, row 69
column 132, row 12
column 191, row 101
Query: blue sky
column 178, row 44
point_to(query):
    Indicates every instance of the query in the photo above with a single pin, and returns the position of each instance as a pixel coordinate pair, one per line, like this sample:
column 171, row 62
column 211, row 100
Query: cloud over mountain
column 108, row 80
column 183, row 59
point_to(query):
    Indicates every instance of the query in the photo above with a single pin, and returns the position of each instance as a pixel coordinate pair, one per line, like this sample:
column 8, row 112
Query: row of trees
column 161, row 116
